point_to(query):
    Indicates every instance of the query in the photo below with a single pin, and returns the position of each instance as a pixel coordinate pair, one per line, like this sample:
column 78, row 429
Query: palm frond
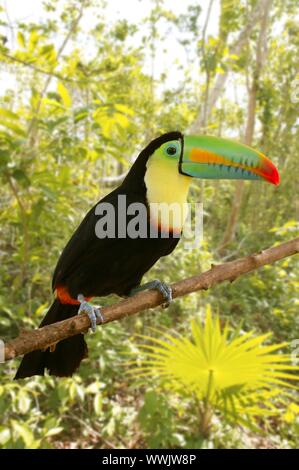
column 240, row 377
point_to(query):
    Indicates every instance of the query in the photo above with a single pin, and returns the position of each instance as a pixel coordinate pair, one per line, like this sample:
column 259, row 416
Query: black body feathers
column 98, row 267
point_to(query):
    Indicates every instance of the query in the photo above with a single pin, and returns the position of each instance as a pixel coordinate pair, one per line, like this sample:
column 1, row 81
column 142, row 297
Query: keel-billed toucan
column 90, row 266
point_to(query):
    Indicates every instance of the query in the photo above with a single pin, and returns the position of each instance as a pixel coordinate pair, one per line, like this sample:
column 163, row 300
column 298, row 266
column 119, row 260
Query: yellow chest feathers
column 167, row 192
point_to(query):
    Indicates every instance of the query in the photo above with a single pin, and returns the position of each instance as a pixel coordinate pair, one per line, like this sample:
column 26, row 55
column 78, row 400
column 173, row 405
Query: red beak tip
column 275, row 178
column 272, row 174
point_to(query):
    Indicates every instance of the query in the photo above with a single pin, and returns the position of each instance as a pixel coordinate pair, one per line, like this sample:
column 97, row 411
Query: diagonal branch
column 51, row 72
column 43, row 337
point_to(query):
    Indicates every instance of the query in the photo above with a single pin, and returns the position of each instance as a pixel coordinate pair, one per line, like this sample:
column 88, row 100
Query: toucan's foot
column 93, row 312
column 51, row 347
column 162, row 287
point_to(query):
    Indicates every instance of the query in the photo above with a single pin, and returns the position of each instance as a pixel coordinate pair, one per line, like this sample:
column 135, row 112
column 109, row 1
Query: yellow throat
column 167, row 192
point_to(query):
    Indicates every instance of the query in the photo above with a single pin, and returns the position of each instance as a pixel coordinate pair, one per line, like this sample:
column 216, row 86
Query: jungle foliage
column 78, row 102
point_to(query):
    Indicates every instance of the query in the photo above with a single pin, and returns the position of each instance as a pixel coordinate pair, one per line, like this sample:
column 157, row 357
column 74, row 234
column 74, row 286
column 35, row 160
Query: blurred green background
column 84, row 86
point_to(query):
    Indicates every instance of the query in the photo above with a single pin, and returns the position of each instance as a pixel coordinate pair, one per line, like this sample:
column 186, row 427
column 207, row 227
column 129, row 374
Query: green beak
column 216, row 158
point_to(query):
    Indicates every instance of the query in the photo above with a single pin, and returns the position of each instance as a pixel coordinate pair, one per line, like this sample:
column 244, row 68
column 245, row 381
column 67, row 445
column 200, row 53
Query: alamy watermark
column 153, row 220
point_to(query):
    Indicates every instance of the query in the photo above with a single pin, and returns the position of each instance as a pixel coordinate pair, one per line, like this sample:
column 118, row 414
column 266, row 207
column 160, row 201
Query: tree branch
column 51, row 72
column 43, row 337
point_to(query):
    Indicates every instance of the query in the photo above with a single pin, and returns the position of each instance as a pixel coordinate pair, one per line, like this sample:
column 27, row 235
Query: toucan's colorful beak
column 216, row 158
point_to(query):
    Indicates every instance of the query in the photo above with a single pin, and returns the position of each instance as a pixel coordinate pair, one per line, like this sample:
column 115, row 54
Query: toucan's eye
column 171, row 150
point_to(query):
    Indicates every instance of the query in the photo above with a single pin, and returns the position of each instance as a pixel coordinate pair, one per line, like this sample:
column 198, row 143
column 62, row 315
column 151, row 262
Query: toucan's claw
column 165, row 290
column 162, row 287
column 93, row 312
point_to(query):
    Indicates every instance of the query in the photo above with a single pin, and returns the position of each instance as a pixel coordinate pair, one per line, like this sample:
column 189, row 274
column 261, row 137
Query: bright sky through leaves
column 132, row 10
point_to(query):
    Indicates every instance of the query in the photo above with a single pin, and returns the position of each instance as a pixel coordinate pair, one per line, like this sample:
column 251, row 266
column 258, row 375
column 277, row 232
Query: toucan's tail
column 66, row 357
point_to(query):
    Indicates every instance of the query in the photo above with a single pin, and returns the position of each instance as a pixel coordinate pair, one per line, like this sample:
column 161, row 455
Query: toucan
column 92, row 265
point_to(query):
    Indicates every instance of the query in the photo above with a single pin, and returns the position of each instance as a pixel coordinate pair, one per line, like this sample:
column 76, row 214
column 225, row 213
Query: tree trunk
column 261, row 50
column 221, row 78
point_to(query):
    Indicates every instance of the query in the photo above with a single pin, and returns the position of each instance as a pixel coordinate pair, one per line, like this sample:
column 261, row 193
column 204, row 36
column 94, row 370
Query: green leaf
column 93, row 387
column 81, row 114
column 98, row 404
column 23, row 430
column 21, row 39
column 24, row 403
column 124, row 109
column 47, row 49
column 64, row 94
column 6, row 113
column 236, row 375
column 33, row 40
column 4, row 435
column 54, row 431
column 16, row 129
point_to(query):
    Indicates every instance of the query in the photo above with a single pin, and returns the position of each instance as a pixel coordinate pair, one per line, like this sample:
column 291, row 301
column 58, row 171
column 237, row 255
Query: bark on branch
column 43, row 337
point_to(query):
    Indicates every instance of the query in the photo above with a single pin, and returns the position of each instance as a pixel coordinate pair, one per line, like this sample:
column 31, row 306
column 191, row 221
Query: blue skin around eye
column 174, row 144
